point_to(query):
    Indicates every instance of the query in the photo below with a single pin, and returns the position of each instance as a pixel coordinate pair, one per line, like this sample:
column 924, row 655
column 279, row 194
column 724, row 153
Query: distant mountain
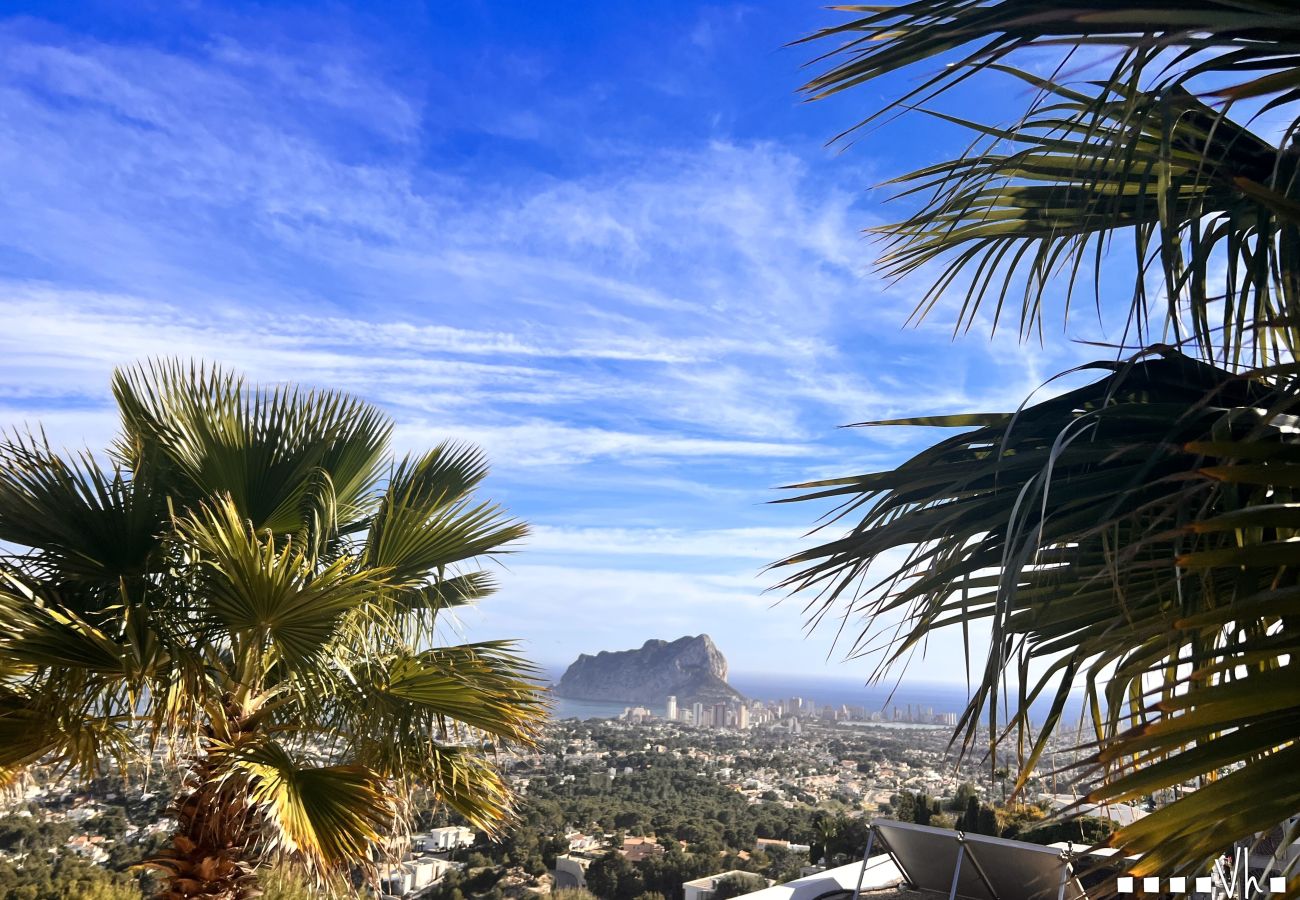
column 690, row 668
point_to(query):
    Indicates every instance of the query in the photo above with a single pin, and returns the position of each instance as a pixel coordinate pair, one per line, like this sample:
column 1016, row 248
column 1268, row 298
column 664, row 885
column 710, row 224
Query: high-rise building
column 698, row 711
column 671, row 712
column 719, row 715
column 742, row 718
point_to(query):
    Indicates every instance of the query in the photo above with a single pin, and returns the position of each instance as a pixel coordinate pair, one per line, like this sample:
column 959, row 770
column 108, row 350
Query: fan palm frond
column 1164, row 168
column 1210, row 207
column 1137, row 535
column 485, row 686
column 1136, row 527
column 250, row 581
column 426, row 521
column 1254, row 44
column 281, row 455
column 93, row 526
column 263, row 596
column 330, row 815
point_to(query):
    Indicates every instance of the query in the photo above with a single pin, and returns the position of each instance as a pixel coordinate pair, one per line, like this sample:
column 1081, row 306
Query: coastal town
column 771, row 790
column 673, row 796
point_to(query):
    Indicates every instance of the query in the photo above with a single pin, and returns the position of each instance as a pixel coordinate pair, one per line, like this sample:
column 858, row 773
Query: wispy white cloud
column 72, row 340
column 540, row 443
column 651, row 335
column 564, row 610
column 763, row 544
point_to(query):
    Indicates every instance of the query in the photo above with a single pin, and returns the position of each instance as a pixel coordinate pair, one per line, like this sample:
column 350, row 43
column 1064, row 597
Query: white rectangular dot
column 1277, row 885
column 1124, row 884
column 1178, row 885
column 1204, row 884
column 1151, row 885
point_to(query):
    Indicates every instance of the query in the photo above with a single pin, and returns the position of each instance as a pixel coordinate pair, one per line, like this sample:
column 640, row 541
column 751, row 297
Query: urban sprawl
column 673, row 805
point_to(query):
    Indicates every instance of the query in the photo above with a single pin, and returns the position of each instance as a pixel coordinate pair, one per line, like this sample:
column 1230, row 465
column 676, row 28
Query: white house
column 439, row 839
column 571, row 871
column 426, row 870
column 396, row 881
column 881, row 872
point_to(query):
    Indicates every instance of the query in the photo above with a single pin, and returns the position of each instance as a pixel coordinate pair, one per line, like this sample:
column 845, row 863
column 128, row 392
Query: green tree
column 286, row 884
column 738, row 883
column 825, row 829
column 111, row 823
column 970, row 819
column 1135, row 535
column 64, row 877
column 629, row 821
column 1018, row 818
column 782, row 864
column 1083, row 831
column 921, row 809
column 606, row 874
column 666, row 874
column 249, row 572
column 851, row 838
column 960, row 800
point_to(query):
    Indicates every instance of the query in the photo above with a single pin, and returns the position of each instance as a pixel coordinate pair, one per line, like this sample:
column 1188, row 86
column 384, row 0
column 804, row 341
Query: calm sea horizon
column 941, row 697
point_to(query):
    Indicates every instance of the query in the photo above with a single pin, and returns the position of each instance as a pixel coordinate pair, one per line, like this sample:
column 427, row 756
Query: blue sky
column 605, row 241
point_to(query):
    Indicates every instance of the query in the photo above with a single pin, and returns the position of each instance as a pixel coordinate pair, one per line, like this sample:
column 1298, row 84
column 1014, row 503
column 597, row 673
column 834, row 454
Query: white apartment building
column 412, row 875
column 440, row 839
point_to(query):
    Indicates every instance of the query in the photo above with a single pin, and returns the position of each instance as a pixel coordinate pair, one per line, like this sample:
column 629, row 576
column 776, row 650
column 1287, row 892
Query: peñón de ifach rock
column 689, row 668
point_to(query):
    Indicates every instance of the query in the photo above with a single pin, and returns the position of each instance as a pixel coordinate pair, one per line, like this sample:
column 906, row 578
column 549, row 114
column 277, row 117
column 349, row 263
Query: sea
column 823, row 690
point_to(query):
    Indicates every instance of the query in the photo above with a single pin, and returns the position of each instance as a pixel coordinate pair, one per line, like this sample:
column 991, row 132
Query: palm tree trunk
column 216, row 826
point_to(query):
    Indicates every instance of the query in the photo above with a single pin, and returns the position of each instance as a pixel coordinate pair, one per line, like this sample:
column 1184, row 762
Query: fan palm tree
column 247, row 584
column 1137, row 536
